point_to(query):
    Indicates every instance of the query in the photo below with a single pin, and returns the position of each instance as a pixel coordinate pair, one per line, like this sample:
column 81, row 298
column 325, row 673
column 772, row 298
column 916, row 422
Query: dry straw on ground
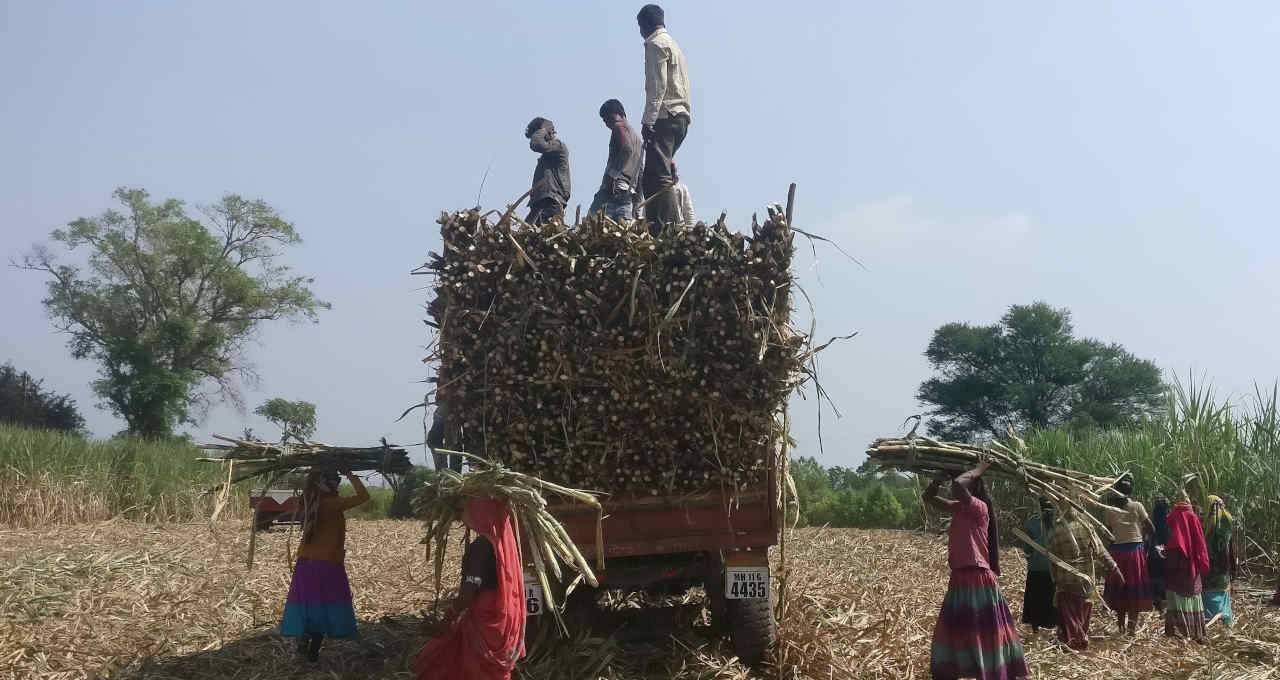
column 127, row 600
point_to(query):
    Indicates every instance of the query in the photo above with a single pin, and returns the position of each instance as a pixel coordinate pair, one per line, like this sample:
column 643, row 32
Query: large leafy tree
column 25, row 401
column 1030, row 370
column 295, row 419
column 166, row 303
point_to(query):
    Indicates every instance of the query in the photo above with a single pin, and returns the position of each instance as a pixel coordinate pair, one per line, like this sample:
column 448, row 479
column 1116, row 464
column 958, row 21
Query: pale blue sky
column 1117, row 159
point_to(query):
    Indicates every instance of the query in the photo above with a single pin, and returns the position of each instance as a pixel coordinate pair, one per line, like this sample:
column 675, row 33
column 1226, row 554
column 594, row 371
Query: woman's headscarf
column 1187, row 536
column 1123, row 489
column 978, row 489
column 1160, row 519
column 501, row 627
column 1217, row 513
column 1046, row 516
column 1218, row 526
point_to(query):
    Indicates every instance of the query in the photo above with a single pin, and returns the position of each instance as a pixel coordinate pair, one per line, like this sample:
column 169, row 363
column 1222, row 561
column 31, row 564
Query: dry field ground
column 133, row 601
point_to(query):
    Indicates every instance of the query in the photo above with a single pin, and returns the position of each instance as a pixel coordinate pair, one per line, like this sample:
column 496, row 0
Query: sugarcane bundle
column 250, row 458
column 546, row 543
column 930, row 458
column 601, row 357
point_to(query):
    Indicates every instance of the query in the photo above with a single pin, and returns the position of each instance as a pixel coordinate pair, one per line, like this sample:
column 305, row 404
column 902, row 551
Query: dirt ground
column 133, row 601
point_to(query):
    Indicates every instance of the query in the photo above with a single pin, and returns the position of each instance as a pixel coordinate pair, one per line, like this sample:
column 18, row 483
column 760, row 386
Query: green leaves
column 1030, row 370
column 165, row 302
column 294, row 418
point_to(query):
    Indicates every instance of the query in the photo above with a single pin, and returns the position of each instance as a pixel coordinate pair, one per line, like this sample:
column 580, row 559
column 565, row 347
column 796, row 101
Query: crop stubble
column 130, row 600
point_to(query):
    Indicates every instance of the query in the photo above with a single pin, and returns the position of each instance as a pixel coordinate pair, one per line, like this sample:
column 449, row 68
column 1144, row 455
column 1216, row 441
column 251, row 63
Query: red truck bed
column 665, row 524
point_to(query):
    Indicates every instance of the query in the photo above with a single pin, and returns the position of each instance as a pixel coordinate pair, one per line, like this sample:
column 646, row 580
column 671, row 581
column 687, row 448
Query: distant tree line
column 844, row 497
column 25, row 401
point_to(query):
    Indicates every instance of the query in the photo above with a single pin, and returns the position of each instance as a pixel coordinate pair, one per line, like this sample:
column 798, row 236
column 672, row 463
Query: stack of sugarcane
column 545, row 542
column 249, row 458
column 601, row 357
column 926, row 457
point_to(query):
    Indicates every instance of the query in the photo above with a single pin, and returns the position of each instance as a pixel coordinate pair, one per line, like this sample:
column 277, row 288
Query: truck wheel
column 751, row 628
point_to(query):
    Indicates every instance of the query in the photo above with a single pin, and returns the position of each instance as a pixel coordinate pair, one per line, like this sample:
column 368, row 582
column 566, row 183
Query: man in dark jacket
column 623, row 167
column 550, row 193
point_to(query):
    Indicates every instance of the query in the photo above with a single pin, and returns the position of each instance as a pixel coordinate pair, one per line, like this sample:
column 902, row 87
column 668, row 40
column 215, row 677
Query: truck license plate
column 746, row 583
column 532, row 599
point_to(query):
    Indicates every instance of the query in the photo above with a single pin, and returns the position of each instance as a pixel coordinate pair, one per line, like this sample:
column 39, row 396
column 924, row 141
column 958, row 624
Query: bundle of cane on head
column 1010, row 463
column 553, row 553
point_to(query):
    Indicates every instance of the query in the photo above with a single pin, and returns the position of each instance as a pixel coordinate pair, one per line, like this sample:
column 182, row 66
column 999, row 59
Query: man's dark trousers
column 668, row 134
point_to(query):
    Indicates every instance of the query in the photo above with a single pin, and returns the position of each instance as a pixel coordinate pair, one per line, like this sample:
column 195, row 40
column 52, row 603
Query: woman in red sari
column 485, row 633
column 1186, row 562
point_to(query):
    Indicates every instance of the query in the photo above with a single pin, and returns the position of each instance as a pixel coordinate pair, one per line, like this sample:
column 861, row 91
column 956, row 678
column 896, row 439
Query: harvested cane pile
column 544, row 539
column 250, row 458
column 601, row 357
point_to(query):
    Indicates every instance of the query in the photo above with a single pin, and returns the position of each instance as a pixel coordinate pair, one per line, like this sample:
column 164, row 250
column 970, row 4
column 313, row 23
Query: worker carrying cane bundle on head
column 484, row 629
column 319, row 603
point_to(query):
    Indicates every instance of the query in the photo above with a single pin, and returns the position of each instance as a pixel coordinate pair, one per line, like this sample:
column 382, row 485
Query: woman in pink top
column 975, row 636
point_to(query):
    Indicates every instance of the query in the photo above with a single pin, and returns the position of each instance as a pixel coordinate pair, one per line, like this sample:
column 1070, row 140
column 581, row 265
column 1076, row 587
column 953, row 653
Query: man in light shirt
column 666, row 114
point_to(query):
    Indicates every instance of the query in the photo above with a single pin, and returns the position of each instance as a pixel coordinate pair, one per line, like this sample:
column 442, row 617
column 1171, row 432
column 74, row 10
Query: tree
column 1030, row 370
column 24, row 401
column 295, row 419
column 167, row 305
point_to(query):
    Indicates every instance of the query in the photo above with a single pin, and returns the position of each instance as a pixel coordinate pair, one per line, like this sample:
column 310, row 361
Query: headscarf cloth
column 487, row 640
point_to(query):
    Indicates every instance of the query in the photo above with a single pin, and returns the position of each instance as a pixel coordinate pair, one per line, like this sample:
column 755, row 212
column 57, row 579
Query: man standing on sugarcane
column 622, row 170
column 666, row 114
column 550, row 192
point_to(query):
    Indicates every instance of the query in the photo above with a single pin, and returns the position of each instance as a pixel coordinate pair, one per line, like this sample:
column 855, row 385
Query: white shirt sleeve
column 655, row 81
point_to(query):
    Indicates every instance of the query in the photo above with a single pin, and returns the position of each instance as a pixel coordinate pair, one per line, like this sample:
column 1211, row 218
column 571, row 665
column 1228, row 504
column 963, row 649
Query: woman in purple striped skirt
column 319, row 603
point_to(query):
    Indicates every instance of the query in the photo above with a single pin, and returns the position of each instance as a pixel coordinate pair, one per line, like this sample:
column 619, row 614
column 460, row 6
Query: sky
column 1115, row 159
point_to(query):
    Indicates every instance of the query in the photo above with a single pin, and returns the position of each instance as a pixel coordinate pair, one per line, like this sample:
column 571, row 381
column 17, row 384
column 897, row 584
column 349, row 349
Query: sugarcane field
column 961, row 368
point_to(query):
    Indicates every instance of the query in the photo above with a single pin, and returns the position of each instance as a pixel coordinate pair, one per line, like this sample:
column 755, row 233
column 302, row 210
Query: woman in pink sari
column 485, row 633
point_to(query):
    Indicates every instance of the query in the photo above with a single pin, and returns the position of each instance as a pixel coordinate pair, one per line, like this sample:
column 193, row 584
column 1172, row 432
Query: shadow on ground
column 620, row 642
column 384, row 650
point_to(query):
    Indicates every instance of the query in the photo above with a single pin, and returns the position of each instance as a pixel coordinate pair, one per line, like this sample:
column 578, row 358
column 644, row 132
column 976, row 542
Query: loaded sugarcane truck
column 652, row 368
column 717, row 540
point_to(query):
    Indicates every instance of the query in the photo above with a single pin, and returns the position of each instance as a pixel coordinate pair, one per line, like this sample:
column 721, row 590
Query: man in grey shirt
column 666, row 114
column 550, row 192
column 623, row 167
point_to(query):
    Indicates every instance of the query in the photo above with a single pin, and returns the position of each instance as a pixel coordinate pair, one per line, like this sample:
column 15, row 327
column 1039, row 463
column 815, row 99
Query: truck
column 718, row 540
column 274, row 506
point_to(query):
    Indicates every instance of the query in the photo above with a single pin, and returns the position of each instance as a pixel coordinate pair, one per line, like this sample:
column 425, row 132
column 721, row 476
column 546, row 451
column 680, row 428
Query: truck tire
column 751, row 628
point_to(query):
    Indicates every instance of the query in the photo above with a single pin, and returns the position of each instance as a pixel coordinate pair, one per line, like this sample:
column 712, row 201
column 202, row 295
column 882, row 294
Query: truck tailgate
column 664, row 525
